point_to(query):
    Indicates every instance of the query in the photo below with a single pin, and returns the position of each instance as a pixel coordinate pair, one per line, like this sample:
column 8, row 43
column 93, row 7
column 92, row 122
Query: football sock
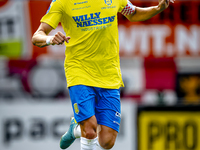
column 88, row 144
column 77, row 134
column 77, row 131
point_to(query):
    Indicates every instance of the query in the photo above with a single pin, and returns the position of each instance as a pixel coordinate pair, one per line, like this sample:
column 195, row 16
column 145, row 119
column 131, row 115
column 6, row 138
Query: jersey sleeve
column 54, row 14
column 123, row 3
column 128, row 9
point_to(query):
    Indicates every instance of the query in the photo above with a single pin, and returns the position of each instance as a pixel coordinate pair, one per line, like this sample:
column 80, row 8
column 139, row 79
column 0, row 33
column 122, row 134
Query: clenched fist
column 163, row 4
column 59, row 38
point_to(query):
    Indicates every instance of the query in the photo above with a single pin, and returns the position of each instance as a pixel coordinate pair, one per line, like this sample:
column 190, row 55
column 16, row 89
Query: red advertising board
column 158, row 46
column 37, row 9
column 172, row 33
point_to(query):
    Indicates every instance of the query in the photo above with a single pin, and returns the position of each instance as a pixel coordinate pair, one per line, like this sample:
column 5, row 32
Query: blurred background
column 160, row 63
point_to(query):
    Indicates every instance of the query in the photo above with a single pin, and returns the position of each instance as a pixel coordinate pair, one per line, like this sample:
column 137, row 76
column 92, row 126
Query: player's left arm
column 141, row 14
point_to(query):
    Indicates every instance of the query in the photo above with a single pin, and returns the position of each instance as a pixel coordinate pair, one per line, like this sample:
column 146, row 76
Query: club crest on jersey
column 108, row 2
column 76, row 108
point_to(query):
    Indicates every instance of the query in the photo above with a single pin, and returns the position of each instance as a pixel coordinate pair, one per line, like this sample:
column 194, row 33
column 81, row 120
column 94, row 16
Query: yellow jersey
column 92, row 54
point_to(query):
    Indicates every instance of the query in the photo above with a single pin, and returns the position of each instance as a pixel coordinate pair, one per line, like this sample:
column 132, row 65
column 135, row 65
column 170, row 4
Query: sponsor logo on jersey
column 81, row 2
column 108, row 2
column 92, row 19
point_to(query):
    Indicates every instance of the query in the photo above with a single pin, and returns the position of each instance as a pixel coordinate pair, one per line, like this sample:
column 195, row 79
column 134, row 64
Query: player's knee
column 88, row 128
column 90, row 134
column 107, row 144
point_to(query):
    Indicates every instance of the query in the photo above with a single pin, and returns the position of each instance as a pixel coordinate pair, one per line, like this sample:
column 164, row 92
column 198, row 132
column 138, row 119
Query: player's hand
column 59, row 38
column 163, row 4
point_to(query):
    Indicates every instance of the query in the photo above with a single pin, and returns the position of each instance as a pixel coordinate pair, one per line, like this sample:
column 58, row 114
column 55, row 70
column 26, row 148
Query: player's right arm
column 41, row 38
column 49, row 22
column 140, row 14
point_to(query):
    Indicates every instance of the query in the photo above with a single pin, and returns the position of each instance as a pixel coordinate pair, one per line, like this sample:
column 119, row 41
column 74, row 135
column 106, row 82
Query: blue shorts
column 103, row 103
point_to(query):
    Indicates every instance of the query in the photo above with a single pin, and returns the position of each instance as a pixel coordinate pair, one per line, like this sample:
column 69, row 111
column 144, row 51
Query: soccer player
column 92, row 66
